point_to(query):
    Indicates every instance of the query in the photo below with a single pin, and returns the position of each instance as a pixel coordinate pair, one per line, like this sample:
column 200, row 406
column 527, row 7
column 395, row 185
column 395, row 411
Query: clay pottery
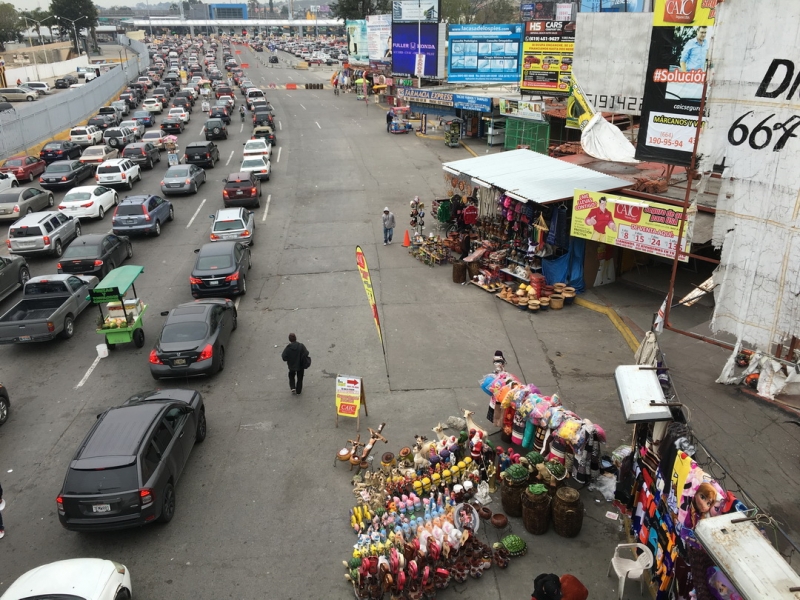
column 502, row 558
column 476, row 567
column 485, row 513
column 544, row 303
column 559, row 287
column 569, row 295
column 556, row 301
column 499, row 520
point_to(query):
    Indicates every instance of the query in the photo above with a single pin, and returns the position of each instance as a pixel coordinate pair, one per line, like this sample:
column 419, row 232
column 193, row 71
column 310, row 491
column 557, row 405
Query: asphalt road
column 261, row 510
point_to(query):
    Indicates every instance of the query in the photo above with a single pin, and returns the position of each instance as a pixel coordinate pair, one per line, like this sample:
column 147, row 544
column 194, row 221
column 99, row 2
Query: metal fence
column 50, row 115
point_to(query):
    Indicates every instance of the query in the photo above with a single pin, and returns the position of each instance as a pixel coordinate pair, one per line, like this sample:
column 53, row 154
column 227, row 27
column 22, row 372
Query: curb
column 615, row 319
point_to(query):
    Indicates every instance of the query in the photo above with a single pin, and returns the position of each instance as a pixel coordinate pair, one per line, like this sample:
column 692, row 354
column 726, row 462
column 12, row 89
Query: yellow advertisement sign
column 640, row 225
column 363, row 269
column 348, row 395
column 579, row 109
column 684, row 13
column 547, row 55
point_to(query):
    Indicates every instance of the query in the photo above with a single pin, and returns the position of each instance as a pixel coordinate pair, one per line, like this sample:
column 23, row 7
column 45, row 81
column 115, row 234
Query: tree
column 459, row 11
column 36, row 16
column 284, row 11
column 11, row 25
column 82, row 12
column 497, row 11
column 359, row 9
column 271, row 8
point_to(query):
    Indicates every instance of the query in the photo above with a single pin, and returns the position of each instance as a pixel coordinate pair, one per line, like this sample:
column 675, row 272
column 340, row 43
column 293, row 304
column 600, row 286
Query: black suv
column 5, row 404
column 220, row 112
column 66, row 81
column 201, row 153
column 142, row 153
column 125, row 470
column 216, row 130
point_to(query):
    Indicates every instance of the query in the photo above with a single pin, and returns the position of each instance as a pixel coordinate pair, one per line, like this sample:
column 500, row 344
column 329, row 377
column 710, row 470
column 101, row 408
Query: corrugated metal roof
column 534, row 177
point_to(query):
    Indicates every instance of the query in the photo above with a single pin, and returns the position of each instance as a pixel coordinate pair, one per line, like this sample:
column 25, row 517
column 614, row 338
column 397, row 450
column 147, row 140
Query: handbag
column 307, row 361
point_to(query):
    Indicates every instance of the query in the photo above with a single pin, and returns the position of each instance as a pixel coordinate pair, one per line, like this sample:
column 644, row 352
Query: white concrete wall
column 47, row 71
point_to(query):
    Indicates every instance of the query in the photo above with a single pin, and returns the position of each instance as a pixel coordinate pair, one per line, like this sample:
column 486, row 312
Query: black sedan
column 180, row 102
column 102, row 121
column 59, row 150
column 63, row 83
column 172, row 125
column 193, row 339
column 65, row 173
column 220, row 112
column 220, row 270
column 95, row 254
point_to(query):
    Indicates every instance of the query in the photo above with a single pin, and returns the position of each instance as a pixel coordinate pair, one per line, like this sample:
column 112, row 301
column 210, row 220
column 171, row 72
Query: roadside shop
column 441, row 106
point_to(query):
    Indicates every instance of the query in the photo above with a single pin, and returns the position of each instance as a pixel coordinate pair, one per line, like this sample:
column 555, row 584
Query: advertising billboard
column 415, row 10
column 547, row 54
column 484, row 53
column 525, row 110
column 379, row 37
column 644, row 226
column 404, row 48
column 673, row 87
column 462, row 101
column 357, row 44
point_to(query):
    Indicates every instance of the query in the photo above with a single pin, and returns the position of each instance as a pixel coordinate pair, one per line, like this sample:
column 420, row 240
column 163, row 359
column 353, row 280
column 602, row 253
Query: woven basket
column 459, row 272
column 567, row 512
column 536, row 512
column 511, row 497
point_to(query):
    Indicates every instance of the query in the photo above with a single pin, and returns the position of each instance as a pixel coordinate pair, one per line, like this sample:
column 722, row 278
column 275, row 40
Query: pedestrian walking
column 297, row 358
column 2, row 506
column 388, row 226
column 389, row 119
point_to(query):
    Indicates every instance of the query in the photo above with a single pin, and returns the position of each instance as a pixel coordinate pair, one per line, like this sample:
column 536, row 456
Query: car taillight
column 98, row 263
column 88, row 204
column 214, row 236
column 96, row 177
column 124, row 176
column 64, row 178
column 245, row 233
column 41, row 179
column 234, row 277
column 60, row 504
column 162, row 183
column 195, row 280
column 8, row 243
column 146, row 214
column 16, row 208
column 46, row 240
column 185, row 157
column 51, row 327
column 208, row 155
column 60, row 152
column 146, row 496
column 154, row 360
column 253, row 191
column 224, row 193
column 207, row 353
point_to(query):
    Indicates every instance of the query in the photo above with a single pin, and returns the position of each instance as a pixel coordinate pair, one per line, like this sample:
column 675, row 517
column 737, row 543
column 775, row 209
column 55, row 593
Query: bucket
column 569, row 295
column 556, row 301
column 102, row 350
column 536, row 512
column 474, row 268
column 567, row 512
column 459, row 272
column 511, row 497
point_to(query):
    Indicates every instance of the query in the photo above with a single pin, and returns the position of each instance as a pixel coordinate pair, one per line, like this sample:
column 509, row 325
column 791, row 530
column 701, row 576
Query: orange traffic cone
column 406, row 240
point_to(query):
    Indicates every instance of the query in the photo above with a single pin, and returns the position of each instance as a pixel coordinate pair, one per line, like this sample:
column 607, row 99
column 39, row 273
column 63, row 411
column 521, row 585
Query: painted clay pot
column 476, row 568
column 502, row 558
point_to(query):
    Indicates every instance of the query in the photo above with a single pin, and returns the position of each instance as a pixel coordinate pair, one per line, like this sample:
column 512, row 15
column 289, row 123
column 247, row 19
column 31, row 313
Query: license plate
column 26, row 244
column 197, row 156
column 130, row 221
column 213, row 282
column 239, row 193
column 173, row 185
column 101, row 508
column 24, row 338
column 179, row 361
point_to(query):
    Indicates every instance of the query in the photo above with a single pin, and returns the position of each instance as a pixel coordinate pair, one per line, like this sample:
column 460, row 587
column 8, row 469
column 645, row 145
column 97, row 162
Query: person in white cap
column 388, row 226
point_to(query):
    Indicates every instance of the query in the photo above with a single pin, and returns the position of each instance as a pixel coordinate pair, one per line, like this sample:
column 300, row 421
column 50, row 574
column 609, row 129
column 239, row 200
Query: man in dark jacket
column 296, row 357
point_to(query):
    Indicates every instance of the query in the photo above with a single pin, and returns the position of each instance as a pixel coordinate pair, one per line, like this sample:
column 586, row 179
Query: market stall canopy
column 752, row 564
column 532, row 177
column 117, row 281
column 638, row 388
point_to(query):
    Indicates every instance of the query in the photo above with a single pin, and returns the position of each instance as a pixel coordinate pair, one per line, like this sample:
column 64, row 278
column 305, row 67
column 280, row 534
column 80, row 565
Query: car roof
column 139, row 199
column 224, row 214
column 239, row 176
column 114, row 162
column 119, row 432
column 216, row 248
column 83, row 577
column 90, row 239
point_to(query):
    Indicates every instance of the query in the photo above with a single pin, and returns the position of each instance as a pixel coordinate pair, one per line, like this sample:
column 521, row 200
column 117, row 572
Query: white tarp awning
column 533, row 177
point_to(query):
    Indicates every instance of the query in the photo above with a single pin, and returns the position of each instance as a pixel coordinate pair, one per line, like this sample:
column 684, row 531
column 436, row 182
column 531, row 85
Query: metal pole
column 419, row 37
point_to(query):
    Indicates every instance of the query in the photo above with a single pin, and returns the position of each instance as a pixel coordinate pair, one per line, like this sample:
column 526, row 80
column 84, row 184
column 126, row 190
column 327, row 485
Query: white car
column 85, row 578
column 259, row 165
column 88, row 201
column 39, row 86
column 259, row 147
column 153, row 105
column 8, row 181
column 192, row 88
column 180, row 113
column 118, row 171
column 229, row 100
column 155, row 137
column 136, row 127
column 86, row 136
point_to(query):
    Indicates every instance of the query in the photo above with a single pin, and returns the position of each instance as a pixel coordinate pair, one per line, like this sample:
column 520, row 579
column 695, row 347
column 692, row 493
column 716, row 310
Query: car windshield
column 62, row 168
column 210, row 263
column 14, row 162
column 78, row 132
column 142, row 113
column 255, row 145
column 93, row 152
column 177, row 172
column 9, row 198
column 52, row 146
column 98, row 481
column 81, row 251
column 129, row 210
column 253, row 163
column 77, row 196
column 232, row 225
column 190, row 331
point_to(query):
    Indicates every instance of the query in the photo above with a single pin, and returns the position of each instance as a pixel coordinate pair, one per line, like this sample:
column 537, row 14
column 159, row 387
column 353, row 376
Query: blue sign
column 462, row 101
column 404, row 47
column 485, row 53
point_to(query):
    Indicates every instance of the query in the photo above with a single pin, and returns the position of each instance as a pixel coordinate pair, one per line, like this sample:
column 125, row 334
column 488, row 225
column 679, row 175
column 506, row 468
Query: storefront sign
column 348, row 395
column 649, row 227
column 379, row 37
column 404, row 48
column 363, row 269
column 415, row 10
column 524, row 110
column 484, row 53
column 462, row 101
column 547, row 57
column 357, row 43
column 676, row 73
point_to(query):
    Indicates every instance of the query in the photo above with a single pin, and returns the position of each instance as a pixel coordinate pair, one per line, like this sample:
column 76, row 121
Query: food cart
column 121, row 322
column 173, row 152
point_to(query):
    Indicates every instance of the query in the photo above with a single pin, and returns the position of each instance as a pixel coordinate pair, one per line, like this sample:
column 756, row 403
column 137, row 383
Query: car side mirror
column 164, row 313
column 197, row 250
column 210, row 216
column 225, row 180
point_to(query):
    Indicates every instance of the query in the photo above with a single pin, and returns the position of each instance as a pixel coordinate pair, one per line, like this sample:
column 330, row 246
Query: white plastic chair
column 626, row 568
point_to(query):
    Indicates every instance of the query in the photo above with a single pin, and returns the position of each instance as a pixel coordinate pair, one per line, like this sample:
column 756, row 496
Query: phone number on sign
column 667, row 142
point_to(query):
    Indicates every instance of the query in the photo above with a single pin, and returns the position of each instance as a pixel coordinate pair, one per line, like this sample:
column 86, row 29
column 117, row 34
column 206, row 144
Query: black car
column 102, row 121
column 220, row 112
column 193, row 339
column 142, row 153
column 166, row 90
column 201, row 153
column 179, row 102
column 220, row 270
column 263, row 117
column 172, row 125
column 273, row 59
column 58, row 150
column 215, row 129
column 188, row 94
column 5, row 404
column 65, row 173
column 65, row 81
column 95, row 254
column 125, row 470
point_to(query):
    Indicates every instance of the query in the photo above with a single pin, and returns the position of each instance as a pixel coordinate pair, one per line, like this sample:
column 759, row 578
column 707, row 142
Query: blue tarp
column 567, row 268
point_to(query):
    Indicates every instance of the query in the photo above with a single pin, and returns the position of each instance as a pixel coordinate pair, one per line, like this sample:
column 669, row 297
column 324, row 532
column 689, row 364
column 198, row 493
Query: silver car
column 233, row 224
column 18, row 202
column 182, row 179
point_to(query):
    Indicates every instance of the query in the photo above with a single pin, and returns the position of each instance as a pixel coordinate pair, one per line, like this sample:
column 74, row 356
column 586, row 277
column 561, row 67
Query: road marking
column 89, row 372
column 194, row 216
column 280, row 125
column 303, row 107
column 266, row 210
column 229, row 159
column 288, row 95
column 290, row 77
column 279, row 155
column 241, row 128
column 202, row 130
column 318, row 125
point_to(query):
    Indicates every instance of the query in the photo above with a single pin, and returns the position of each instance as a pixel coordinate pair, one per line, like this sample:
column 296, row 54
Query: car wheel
column 5, row 409
column 168, row 507
column 77, row 230
column 171, row 216
column 29, row 98
column 101, row 213
column 150, row 164
column 69, row 327
column 204, row 177
column 129, row 250
column 202, row 428
column 116, row 199
column 14, row 184
column 130, row 184
column 243, row 287
column 157, row 230
column 58, row 249
column 193, row 189
column 50, row 199
column 3, row 98
column 29, row 211
column 235, row 319
column 221, row 360
column 138, row 337
column 30, row 179
column 110, row 267
column 24, row 275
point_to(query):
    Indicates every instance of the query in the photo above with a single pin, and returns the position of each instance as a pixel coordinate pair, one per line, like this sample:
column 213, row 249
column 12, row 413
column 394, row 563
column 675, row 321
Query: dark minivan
column 125, row 470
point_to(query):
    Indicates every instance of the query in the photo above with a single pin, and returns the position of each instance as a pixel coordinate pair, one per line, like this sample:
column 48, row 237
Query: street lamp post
column 33, row 50
column 75, row 31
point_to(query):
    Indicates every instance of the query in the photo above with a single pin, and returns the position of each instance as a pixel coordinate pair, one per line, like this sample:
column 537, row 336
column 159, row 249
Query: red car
column 24, row 168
